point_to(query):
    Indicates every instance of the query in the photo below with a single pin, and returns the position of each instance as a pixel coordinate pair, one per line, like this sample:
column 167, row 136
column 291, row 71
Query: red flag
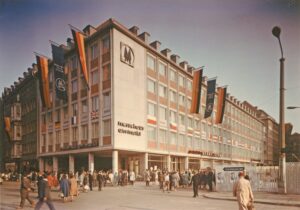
column 79, row 44
column 7, row 125
column 196, row 92
column 221, row 104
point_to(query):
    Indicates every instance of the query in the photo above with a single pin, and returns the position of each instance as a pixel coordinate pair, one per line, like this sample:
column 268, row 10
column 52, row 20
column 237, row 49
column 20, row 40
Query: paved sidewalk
column 260, row 197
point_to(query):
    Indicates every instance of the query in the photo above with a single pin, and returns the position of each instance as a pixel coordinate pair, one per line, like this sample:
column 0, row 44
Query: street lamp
column 293, row 107
column 282, row 178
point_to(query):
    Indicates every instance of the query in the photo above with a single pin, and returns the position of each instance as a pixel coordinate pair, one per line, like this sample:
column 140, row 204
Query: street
column 128, row 197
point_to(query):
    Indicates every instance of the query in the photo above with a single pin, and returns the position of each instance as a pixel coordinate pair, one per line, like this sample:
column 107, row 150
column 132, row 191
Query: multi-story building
column 135, row 115
column 271, row 142
column 20, row 105
column 1, row 136
column 292, row 144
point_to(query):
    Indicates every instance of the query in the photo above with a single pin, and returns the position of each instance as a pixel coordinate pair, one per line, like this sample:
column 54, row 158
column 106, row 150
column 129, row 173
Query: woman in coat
column 73, row 186
column 64, row 187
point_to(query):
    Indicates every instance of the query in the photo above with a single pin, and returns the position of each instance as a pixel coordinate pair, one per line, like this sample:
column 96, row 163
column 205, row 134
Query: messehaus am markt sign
column 233, row 168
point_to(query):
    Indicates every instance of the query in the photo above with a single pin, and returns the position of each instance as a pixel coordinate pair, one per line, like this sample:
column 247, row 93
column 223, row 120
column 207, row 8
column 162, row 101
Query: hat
column 241, row 173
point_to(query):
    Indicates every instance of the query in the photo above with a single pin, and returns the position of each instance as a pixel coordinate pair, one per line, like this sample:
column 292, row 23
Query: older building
column 292, row 144
column 20, row 105
column 136, row 113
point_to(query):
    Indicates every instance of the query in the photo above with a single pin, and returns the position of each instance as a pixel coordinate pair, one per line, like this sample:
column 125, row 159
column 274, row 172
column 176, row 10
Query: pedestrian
column 195, row 181
column 25, row 188
column 44, row 193
column 242, row 190
column 132, row 177
column 147, row 177
column 64, row 187
column 90, row 176
column 210, row 178
column 73, row 186
column 166, row 182
column 100, row 180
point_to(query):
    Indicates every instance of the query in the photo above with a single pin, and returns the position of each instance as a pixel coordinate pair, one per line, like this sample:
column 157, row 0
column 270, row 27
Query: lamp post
column 282, row 162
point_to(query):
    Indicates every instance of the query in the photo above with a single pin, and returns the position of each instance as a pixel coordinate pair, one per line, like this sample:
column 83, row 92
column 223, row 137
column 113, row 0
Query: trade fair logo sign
column 127, row 55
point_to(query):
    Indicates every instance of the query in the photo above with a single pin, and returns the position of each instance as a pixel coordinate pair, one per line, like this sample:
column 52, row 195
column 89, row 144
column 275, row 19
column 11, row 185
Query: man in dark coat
column 24, row 191
column 44, row 193
column 91, row 179
column 195, row 181
column 100, row 179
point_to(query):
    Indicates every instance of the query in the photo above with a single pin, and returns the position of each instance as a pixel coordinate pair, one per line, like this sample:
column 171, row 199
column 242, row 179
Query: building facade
column 20, row 105
column 135, row 114
column 292, row 144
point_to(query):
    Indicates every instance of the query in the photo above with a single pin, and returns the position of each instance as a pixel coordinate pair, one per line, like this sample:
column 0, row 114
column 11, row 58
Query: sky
column 231, row 38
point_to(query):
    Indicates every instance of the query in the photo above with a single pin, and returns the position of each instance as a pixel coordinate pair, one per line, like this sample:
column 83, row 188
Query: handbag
column 250, row 206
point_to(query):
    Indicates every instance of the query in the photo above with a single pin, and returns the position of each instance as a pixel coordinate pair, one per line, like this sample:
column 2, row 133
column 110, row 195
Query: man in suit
column 196, row 181
column 44, row 193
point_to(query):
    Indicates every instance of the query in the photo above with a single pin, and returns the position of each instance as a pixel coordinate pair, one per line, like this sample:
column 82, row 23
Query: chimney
column 20, row 79
column 184, row 65
column 70, row 42
column 155, row 45
column 145, row 37
column 190, row 69
column 166, row 52
column 134, row 30
column 175, row 58
column 15, row 83
column 89, row 30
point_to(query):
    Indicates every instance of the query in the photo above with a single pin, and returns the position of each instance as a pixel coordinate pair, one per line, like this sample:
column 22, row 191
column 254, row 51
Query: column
column 212, row 164
column 201, row 164
column 71, row 164
column 41, row 164
column 91, row 161
column 55, row 164
column 186, row 163
column 115, row 158
column 169, row 162
column 146, row 160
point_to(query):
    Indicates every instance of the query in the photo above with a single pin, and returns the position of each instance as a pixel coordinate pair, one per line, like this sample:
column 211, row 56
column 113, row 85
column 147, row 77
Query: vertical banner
column 78, row 37
column 196, row 92
column 59, row 74
column 43, row 74
column 210, row 97
column 221, row 104
column 7, row 126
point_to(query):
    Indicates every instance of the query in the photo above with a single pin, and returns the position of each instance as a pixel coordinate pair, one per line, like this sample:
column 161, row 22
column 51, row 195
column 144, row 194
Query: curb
column 256, row 201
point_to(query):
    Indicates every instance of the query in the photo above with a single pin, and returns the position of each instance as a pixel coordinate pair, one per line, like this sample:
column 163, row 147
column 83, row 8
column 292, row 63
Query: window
column 151, row 109
column 74, row 63
column 151, row 133
column 173, row 96
column 50, row 139
column 43, row 140
column 74, row 134
column 106, row 72
column 188, row 103
column 162, row 91
column 94, row 51
column 57, row 116
column 106, row 128
column 173, row 117
column 189, row 85
column 58, row 137
column 95, row 130
column 181, row 80
column 162, row 136
column 83, row 84
column 84, row 106
column 162, row 69
column 173, row 75
column 189, row 141
column 190, row 122
column 74, row 109
column 84, row 132
column 44, row 119
column 181, row 139
column 74, row 84
column 105, row 45
column 50, row 117
column 150, row 62
column 95, row 77
column 66, row 112
column 173, row 138
column 106, row 99
column 151, row 86
column 95, row 103
column 181, row 100
column 181, row 119
column 162, row 113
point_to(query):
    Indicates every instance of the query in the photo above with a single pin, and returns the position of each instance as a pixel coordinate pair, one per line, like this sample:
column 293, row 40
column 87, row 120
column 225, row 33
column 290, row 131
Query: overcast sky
column 231, row 38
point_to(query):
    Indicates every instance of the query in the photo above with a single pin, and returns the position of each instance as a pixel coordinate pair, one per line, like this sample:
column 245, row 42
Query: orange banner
column 79, row 43
column 196, row 92
column 43, row 73
column 7, row 125
column 221, row 104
